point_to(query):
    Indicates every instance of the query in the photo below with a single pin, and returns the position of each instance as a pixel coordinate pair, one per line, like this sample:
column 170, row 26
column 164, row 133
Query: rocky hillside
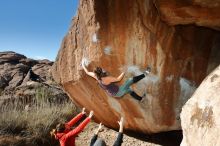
column 178, row 39
column 22, row 80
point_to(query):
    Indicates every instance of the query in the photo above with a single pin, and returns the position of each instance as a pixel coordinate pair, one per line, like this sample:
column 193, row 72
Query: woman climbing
column 108, row 82
column 95, row 141
column 65, row 134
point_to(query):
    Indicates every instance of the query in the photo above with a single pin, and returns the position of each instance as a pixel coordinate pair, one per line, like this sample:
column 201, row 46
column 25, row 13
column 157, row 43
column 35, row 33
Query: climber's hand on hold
column 83, row 63
column 83, row 111
column 99, row 128
column 121, row 124
column 91, row 114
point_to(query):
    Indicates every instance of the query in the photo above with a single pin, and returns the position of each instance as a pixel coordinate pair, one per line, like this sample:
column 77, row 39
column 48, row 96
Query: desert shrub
column 34, row 123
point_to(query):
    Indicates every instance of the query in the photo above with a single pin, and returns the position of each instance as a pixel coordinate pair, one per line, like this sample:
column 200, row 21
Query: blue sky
column 35, row 28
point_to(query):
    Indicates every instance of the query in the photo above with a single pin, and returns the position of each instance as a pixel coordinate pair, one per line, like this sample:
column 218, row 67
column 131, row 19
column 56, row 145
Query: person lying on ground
column 107, row 82
column 95, row 141
column 65, row 134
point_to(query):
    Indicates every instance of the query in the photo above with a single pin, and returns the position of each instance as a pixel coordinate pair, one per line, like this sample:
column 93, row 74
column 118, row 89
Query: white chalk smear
column 94, row 38
column 107, row 50
column 169, row 78
column 187, row 88
column 150, row 79
column 85, row 61
column 135, row 70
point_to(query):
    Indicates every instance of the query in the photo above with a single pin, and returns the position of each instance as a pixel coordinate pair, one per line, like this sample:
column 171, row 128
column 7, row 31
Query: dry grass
column 35, row 122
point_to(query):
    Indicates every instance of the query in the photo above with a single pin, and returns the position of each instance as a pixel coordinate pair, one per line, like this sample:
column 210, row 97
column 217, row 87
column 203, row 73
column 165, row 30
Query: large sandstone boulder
column 199, row 12
column 130, row 35
column 200, row 115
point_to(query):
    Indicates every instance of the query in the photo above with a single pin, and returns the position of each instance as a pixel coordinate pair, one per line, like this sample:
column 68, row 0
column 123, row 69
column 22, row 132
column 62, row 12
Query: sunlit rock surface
column 130, row 35
column 199, row 12
column 200, row 115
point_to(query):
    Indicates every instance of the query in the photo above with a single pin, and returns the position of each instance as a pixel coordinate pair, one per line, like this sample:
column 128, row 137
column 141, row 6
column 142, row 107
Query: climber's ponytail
column 100, row 73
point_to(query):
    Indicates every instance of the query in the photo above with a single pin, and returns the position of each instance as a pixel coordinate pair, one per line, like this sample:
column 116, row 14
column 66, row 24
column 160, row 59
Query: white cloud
column 40, row 57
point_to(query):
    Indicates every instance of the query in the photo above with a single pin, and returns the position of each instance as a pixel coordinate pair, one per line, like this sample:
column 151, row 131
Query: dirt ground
column 109, row 136
column 172, row 138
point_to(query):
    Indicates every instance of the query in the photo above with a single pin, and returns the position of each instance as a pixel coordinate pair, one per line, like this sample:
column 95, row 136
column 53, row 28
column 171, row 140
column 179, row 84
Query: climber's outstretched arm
column 76, row 118
column 92, row 74
column 94, row 138
column 79, row 128
column 119, row 78
column 115, row 79
column 119, row 139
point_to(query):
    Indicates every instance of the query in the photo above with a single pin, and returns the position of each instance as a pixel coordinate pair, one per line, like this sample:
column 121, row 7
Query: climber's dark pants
column 138, row 78
column 134, row 95
column 125, row 88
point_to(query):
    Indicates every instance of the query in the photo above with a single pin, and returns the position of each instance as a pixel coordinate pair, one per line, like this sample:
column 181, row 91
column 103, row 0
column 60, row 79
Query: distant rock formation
column 200, row 115
column 21, row 78
column 131, row 35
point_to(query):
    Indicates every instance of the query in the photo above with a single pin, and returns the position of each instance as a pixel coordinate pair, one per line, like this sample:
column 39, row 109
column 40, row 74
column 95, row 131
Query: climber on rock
column 108, row 82
column 65, row 134
column 95, row 141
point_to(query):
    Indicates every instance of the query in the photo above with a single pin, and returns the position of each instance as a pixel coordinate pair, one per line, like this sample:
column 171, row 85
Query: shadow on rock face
column 171, row 138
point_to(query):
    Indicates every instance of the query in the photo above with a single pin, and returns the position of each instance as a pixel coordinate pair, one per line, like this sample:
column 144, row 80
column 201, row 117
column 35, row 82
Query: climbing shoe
column 147, row 71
